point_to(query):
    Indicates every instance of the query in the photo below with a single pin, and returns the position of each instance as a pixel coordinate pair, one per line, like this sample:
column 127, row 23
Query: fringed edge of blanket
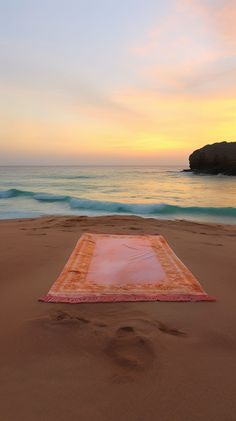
column 107, row 298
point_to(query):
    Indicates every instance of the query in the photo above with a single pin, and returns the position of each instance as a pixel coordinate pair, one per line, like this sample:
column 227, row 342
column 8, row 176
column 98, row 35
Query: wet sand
column 112, row 362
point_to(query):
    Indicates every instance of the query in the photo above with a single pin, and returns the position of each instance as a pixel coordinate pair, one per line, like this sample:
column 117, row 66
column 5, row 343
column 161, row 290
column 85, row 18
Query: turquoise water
column 161, row 192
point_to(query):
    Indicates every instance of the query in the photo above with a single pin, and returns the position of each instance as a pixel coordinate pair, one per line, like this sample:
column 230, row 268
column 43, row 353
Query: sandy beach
column 73, row 362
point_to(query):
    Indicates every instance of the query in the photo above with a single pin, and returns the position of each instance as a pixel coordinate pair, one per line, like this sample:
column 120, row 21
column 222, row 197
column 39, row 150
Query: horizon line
column 91, row 165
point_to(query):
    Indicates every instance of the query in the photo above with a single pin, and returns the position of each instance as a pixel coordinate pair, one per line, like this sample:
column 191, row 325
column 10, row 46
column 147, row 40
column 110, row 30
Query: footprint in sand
column 61, row 317
column 148, row 326
column 170, row 330
column 37, row 234
column 100, row 324
column 130, row 350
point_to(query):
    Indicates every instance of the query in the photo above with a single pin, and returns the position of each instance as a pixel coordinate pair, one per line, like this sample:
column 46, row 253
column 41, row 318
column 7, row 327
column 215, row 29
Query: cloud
column 191, row 50
column 226, row 25
column 41, row 92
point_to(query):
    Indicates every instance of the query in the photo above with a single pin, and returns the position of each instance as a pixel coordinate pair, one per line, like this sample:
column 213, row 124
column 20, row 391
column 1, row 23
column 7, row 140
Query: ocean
column 160, row 192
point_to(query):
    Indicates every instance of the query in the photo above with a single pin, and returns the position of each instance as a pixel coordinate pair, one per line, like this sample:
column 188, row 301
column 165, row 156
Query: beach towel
column 108, row 268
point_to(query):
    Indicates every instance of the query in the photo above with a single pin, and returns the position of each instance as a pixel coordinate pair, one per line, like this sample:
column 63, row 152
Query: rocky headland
column 218, row 158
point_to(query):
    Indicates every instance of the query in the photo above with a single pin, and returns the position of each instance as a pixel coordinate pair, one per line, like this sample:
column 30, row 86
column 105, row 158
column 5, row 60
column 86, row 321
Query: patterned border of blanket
column 72, row 286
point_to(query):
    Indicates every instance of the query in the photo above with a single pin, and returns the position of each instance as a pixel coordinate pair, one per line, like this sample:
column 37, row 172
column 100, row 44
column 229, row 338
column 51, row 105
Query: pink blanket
column 105, row 268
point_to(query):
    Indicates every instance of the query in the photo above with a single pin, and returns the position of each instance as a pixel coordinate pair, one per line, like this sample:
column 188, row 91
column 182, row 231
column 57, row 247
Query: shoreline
column 117, row 215
column 115, row 361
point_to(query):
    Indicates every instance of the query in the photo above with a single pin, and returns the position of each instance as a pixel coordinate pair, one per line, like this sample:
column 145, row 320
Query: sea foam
column 111, row 207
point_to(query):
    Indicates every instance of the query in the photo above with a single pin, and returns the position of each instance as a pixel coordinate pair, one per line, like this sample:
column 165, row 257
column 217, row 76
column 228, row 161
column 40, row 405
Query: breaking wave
column 5, row 194
column 106, row 207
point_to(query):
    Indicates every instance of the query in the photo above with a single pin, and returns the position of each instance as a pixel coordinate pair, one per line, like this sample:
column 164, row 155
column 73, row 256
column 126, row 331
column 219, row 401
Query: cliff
column 218, row 158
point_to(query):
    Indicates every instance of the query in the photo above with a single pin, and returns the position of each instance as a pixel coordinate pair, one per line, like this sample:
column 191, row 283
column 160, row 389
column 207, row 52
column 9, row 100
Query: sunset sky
column 115, row 81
